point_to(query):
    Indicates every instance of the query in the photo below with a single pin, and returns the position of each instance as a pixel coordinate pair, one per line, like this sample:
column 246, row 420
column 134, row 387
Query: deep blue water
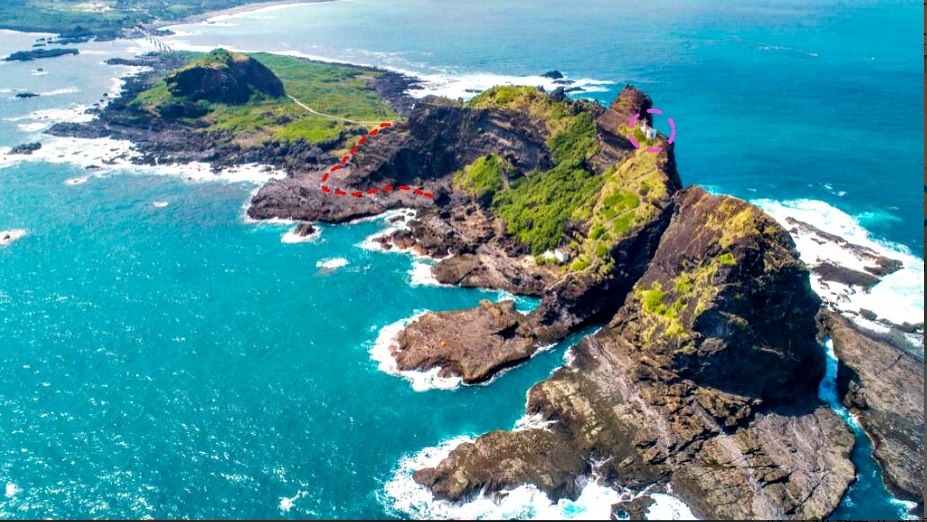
column 180, row 362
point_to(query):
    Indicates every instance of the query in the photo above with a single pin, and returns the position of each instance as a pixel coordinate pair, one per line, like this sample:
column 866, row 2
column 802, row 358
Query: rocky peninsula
column 703, row 379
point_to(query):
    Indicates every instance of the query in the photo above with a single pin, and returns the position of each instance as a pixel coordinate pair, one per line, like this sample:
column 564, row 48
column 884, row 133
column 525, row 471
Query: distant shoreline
column 246, row 8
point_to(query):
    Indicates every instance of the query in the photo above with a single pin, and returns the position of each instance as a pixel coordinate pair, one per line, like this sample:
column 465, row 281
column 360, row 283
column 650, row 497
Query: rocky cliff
column 704, row 379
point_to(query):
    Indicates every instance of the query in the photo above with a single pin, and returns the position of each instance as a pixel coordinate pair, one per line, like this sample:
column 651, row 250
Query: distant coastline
column 246, row 8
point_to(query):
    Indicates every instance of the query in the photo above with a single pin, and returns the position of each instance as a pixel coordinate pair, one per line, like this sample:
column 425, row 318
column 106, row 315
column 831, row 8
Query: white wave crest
column 381, row 352
column 332, row 264
column 898, row 297
column 291, row 237
column 9, row 236
column 106, row 155
column 404, row 498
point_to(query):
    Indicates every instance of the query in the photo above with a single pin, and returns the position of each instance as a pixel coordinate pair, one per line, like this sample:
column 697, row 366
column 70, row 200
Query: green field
column 336, row 90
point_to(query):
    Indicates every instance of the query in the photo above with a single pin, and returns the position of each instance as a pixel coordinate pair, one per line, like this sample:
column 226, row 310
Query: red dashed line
column 347, row 157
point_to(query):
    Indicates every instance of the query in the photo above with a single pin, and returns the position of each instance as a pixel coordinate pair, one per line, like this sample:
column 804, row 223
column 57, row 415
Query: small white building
column 649, row 132
column 561, row 255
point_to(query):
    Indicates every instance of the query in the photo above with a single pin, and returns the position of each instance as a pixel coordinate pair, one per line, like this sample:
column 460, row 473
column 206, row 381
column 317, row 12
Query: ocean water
column 166, row 358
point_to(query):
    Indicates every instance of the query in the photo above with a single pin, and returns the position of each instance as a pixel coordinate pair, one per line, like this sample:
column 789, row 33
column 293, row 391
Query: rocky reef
column 37, row 54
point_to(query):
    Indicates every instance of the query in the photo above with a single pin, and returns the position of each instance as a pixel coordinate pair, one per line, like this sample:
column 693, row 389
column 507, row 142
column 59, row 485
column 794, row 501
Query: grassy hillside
column 337, row 90
column 539, row 206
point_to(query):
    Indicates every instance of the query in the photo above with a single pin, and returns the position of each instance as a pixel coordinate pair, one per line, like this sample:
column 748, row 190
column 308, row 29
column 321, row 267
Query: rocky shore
column 164, row 140
column 884, row 387
column 703, row 379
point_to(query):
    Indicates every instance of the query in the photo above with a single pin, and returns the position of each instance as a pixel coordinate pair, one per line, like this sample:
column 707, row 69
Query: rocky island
column 703, row 378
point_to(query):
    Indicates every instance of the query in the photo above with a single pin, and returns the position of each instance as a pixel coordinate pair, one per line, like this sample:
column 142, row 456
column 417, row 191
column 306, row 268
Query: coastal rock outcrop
column 695, row 382
column 884, row 386
column 37, row 54
column 26, row 148
column 447, row 341
column 224, row 77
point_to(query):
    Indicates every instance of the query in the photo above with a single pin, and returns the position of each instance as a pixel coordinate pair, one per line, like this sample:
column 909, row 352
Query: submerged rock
column 26, row 148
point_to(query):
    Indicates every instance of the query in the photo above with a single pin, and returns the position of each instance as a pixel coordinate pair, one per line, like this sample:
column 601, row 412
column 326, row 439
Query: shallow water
column 176, row 361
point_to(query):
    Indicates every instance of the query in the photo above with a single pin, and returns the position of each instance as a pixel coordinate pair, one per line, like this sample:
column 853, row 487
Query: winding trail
column 344, row 160
column 329, row 116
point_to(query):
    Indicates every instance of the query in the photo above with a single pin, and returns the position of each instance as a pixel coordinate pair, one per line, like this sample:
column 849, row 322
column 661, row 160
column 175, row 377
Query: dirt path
column 329, row 116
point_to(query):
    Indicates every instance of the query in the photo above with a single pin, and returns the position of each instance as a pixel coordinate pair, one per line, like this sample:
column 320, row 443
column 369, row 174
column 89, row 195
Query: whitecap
column 77, row 181
column 12, row 490
column 9, row 236
column 56, row 92
column 332, row 264
column 159, row 204
column 286, row 503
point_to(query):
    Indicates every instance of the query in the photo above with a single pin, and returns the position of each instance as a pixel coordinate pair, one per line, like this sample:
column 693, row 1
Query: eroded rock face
column 473, row 344
column 884, row 386
column 704, row 379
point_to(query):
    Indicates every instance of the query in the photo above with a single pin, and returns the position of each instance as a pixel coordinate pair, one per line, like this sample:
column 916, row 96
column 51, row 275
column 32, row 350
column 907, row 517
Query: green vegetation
column 483, row 178
column 727, row 258
column 627, row 200
column 99, row 17
column 337, row 90
column 537, row 207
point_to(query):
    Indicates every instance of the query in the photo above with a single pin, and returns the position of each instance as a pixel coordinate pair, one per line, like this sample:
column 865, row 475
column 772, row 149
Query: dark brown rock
column 715, row 395
column 473, row 344
column 885, row 386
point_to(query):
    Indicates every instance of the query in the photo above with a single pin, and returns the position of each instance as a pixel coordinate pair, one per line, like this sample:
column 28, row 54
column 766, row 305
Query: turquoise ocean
column 164, row 357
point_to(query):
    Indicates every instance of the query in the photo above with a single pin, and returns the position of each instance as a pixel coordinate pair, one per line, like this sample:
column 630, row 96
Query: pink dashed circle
column 637, row 116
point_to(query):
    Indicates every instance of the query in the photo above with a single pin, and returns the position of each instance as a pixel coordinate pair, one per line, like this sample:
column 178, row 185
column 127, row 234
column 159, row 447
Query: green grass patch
column 727, row 258
column 341, row 91
column 483, row 178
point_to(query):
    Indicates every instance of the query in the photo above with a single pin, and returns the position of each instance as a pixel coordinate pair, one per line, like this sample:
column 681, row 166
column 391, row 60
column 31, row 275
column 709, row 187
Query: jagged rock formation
column 446, row 341
column 704, row 379
column 224, row 77
column 884, row 386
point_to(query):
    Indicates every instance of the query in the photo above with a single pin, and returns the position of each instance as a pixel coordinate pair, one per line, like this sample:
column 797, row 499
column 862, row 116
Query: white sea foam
column 381, row 352
column 468, row 85
column 32, row 127
column 286, row 503
column 9, row 236
column 291, row 237
column 404, row 498
column 11, row 490
column 159, row 204
column 80, row 180
column 420, row 274
column 332, row 264
column 56, row 92
column 109, row 155
column 898, row 297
